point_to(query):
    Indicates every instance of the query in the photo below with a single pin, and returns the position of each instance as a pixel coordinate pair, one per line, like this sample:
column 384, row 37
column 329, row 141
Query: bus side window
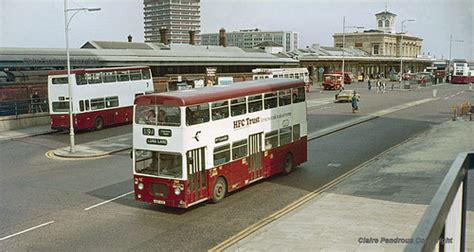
column 284, row 97
column 298, row 95
column 220, row 110
column 239, row 149
column 112, row 101
column 81, row 79
column 146, row 74
column 94, row 78
column 238, row 106
column 285, row 135
column 87, row 105
column 123, row 76
column 221, row 154
column 255, row 103
column 97, row 103
column 270, row 100
column 197, row 114
column 135, row 75
column 81, row 105
column 109, row 77
column 271, row 139
column 296, row 132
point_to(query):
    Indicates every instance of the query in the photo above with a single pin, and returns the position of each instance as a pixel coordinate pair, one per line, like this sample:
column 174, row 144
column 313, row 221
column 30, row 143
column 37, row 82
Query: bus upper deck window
column 298, row 95
column 238, row 106
column 197, row 114
column 81, row 79
column 146, row 74
column 284, row 97
column 60, row 80
column 270, row 100
column 220, row 110
column 255, row 103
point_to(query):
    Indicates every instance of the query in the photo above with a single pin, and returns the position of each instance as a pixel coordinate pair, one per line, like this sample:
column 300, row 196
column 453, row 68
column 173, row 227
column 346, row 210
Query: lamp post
column 401, row 44
column 344, row 41
column 67, row 22
column 451, row 40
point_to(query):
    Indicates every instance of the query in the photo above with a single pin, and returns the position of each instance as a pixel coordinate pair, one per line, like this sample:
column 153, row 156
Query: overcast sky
column 40, row 23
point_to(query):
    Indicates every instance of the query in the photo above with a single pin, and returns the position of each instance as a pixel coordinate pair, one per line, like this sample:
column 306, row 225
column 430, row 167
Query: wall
column 23, row 121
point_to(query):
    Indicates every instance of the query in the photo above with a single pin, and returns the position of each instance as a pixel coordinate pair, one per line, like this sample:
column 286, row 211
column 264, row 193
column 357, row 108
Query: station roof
column 112, row 53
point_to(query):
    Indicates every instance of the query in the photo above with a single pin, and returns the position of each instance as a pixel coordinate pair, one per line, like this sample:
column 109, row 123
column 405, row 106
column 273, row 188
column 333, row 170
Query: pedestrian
column 36, row 103
column 378, row 86
column 369, row 85
column 383, row 86
column 354, row 105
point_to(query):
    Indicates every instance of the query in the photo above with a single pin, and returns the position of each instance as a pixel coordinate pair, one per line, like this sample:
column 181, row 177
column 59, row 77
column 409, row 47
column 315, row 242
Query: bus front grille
column 158, row 189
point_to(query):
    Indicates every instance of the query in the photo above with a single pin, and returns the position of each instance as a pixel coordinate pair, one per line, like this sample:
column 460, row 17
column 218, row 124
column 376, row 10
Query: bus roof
column 95, row 70
column 217, row 93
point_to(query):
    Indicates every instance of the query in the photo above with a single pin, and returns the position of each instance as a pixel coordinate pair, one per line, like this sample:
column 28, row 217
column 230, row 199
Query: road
column 51, row 195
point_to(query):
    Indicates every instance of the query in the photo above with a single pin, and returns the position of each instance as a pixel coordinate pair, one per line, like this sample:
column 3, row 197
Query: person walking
column 36, row 103
column 354, row 105
column 369, row 85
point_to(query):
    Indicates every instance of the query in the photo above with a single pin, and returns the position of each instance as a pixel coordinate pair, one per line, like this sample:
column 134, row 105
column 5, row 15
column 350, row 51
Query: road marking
column 301, row 201
column 26, row 230
column 334, row 165
column 452, row 96
column 107, row 201
column 445, row 98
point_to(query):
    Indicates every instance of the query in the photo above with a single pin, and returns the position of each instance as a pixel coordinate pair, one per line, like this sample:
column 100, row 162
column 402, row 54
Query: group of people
column 379, row 83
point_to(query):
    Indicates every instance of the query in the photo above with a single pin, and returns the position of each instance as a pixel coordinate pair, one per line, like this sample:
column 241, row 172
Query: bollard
column 435, row 92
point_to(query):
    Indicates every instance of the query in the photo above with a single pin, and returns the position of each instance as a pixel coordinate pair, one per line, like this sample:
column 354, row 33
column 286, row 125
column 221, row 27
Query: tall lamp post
column 67, row 22
column 401, row 44
column 344, row 41
column 451, row 40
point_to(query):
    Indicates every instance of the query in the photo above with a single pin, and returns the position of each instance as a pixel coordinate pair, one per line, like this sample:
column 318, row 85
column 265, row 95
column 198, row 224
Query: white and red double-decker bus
column 460, row 72
column 101, row 96
column 195, row 145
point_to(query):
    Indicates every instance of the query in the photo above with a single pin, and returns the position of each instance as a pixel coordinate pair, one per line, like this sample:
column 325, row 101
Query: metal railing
column 443, row 226
column 25, row 106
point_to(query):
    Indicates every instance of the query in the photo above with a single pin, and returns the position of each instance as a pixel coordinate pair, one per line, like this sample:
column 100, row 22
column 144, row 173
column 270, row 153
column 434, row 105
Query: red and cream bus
column 195, row 145
column 460, row 73
column 101, row 96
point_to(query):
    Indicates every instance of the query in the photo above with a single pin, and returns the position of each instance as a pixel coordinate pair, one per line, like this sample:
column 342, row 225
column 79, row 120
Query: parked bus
column 101, row 96
column 291, row 73
column 196, row 145
column 460, row 73
column 348, row 77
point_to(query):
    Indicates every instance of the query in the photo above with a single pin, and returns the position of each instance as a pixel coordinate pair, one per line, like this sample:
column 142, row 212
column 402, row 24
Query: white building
column 251, row 38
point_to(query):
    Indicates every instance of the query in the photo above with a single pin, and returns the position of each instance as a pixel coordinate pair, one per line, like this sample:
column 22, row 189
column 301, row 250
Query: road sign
column 321, row 70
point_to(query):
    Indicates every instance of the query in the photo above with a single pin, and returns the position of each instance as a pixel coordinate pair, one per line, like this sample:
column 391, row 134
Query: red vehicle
column 332, row 81
column 348, row 77
column 101, row 96
column 210, row 141
column 460, row 74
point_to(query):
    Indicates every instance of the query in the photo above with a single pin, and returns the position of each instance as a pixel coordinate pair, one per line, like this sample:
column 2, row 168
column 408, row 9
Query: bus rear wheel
column 98, row 123
column 219, row 190
column 288, row 164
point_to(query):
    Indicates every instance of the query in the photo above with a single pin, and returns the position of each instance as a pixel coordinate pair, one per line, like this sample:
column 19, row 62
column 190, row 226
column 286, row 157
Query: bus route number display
column 148, row 131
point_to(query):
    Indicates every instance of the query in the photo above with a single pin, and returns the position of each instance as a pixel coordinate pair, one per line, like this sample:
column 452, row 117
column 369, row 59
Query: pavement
column 19, row 133
column 384, row 198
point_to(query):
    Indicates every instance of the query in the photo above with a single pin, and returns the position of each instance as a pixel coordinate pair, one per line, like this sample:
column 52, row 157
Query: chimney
column 164, row 36
column 130, row 38
column 222, row 40
column 191, row 37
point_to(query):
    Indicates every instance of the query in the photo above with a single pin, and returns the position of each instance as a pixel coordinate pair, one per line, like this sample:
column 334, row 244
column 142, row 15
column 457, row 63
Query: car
column 332, row 81
column 346, row 96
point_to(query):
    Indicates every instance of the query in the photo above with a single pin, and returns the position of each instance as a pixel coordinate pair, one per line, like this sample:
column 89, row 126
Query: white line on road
column 107, row 201
column 452, row 96
column 445, row 98
column 24, row 231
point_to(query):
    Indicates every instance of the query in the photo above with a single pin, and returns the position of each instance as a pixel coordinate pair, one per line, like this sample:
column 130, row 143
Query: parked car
column 346, row 96
column 348, row 77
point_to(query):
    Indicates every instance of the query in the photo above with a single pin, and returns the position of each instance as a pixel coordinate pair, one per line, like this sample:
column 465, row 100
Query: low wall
column 24, row 121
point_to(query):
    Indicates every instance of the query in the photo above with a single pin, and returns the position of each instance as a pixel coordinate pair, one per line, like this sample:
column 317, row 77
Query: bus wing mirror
column 131, row 154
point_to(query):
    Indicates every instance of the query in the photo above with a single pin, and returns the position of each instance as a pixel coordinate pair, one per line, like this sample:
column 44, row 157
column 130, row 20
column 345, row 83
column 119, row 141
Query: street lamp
column 67, row 22
column 451, row 40
column 401, row 44
column 344, row 41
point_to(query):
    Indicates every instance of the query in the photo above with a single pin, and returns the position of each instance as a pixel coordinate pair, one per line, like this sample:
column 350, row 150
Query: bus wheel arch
column 288, row 163
column 219, row 189
column 98, row 123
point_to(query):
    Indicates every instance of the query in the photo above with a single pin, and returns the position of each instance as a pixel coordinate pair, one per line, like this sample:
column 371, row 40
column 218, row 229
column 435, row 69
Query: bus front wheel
column 288, row 164
column 98, row 123
column 219, row 190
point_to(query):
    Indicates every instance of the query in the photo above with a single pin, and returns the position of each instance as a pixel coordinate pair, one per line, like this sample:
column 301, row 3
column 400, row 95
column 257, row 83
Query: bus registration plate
column 162, row 202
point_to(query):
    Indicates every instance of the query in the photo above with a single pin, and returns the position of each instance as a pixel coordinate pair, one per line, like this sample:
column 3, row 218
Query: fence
column 26, row 106
column 443, row 226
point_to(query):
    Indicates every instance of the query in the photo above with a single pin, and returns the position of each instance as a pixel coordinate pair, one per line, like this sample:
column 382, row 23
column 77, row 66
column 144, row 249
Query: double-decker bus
column 101, row 96
column 195, row 145
column 460, row 73
column 291, row 73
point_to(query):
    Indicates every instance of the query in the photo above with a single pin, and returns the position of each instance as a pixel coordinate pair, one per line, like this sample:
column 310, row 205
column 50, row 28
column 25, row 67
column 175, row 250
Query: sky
column 40, row 23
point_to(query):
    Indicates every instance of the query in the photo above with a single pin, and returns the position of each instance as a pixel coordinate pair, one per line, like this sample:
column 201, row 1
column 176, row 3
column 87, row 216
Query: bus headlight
column 177, row 191
column 140, row 186
column 136, row 181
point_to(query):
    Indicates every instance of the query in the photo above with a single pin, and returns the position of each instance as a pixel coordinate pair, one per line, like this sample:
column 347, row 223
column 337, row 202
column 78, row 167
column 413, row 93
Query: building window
column 358, row 44
column 387, row 23
column 375, row 50
column 380, row 23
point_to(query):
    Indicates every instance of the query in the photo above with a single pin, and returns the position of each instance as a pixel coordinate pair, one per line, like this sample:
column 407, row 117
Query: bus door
column 255, row 156
column 196, row 170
